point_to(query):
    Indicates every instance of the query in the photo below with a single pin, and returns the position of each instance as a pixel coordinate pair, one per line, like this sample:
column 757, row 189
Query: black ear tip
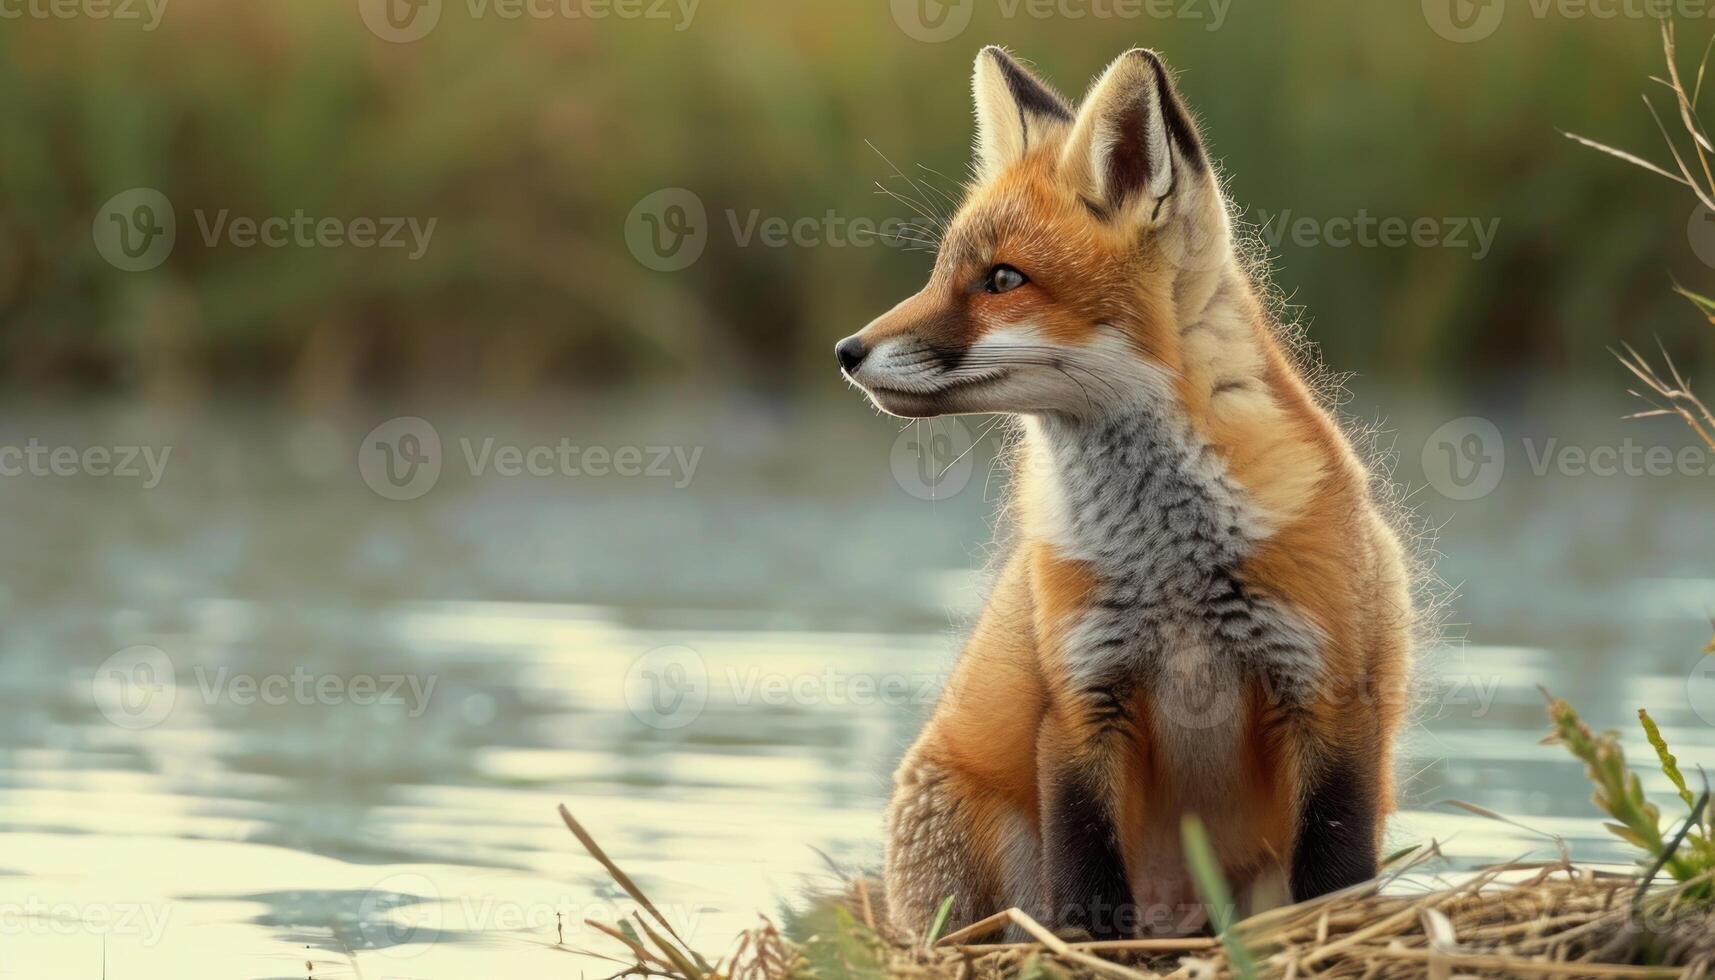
column 1030, row 92
column 1178, row 119
column 1147, row 57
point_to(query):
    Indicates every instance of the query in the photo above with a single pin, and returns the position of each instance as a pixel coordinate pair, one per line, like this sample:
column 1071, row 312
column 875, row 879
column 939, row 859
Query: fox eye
column 1003, row 278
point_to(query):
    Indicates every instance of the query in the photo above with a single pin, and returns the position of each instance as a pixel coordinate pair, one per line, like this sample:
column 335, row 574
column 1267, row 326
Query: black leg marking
column 1086, row 879
column 1336, row 831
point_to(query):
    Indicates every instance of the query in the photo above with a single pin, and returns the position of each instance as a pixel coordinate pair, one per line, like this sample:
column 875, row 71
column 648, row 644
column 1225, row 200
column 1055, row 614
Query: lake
column 295, row 696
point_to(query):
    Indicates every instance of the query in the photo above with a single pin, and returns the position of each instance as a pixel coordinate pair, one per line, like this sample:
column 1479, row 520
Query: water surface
column 261, row 720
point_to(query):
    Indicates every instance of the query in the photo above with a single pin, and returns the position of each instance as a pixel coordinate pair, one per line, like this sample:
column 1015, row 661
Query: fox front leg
column 1338, row 827
column 1081, row 764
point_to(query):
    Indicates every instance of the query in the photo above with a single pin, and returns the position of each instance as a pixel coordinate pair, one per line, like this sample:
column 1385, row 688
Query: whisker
column 908, row 202
column 913, row 241
column 1088, row 404
column 1028, row 355
column 975, row 440
column 955, row 202
column 931, row 212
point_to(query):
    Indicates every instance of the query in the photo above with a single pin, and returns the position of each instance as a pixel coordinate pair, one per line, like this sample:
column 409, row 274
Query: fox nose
column 850, row 352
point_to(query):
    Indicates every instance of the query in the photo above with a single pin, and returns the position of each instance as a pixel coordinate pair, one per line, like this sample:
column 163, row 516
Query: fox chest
column 1169, row 614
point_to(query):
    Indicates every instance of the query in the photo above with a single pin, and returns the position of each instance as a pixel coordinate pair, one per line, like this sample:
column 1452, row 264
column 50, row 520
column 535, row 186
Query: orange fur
column 1011, row 712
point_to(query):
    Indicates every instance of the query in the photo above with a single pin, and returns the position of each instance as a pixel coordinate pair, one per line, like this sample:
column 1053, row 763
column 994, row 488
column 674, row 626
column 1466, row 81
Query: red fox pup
column 1203, row 610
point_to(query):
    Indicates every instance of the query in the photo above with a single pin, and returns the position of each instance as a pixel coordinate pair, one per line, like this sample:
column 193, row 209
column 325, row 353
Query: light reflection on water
column 812, row 603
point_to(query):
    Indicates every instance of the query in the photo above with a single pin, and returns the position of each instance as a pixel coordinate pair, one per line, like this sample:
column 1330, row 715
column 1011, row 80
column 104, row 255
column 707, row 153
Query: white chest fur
column 1149, row 507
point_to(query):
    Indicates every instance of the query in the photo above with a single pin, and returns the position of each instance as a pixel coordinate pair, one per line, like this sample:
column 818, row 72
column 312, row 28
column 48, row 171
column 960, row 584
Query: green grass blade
column 1034, row 968
column 1667, row 854
column 1704, row 304
column 1669, row 764
column 1398, row 855
column 1212, row 886
column 940, row 922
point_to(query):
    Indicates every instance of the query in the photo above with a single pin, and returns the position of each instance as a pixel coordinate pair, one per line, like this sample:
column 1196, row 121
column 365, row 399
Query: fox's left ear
column 1016, row 112
column 1134, row 145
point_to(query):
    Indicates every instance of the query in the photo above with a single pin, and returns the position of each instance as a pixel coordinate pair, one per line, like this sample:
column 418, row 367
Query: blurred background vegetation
column 529, row 142
column 816, row 541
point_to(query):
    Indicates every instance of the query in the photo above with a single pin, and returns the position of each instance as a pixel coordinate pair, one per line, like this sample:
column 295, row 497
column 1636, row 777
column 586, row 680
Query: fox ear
column 1133, row 142
column 1016, row 111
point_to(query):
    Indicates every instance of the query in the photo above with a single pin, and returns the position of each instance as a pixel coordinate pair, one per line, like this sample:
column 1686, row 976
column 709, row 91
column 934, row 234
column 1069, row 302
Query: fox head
column 1087, row 238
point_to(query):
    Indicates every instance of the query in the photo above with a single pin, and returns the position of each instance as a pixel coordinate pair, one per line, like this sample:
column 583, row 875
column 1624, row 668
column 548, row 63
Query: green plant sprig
column 1619, row 793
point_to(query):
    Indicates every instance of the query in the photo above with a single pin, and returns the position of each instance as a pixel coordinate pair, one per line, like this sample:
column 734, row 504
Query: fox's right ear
column 1134, row 145
column 1016, row 112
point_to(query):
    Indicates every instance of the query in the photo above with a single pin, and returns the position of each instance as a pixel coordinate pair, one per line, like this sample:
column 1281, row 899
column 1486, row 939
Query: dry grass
column 1549, row 919
column 1552, row 919
column 1666, row 391
column 1671, row 395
